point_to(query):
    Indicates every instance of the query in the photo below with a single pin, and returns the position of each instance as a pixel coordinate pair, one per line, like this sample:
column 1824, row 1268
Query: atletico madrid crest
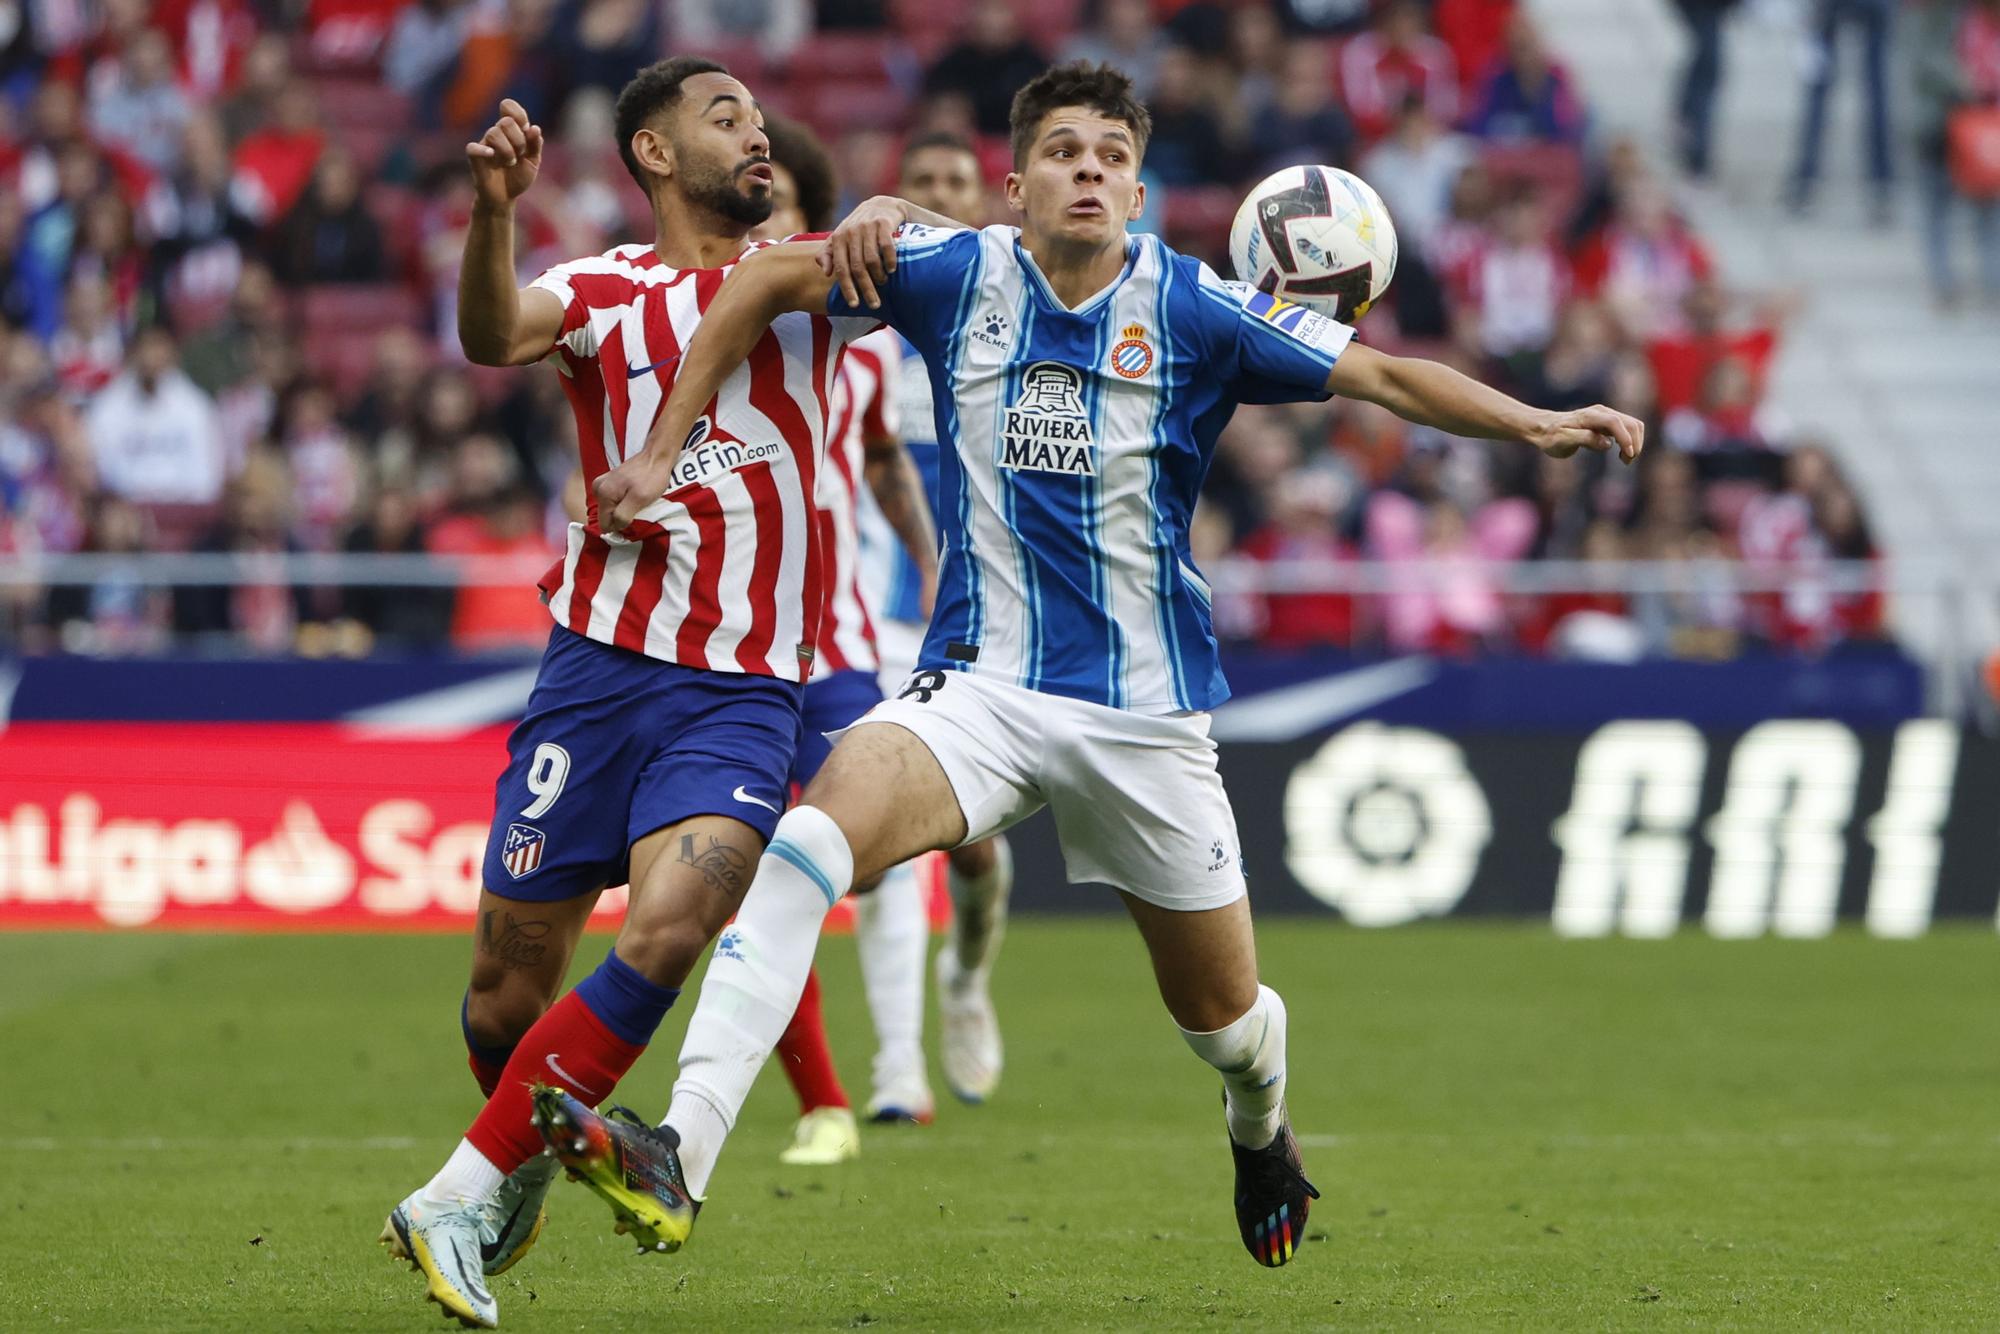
column 522, row 852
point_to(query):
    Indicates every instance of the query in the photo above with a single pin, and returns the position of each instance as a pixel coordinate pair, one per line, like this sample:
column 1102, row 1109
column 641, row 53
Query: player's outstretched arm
column 761, row 288
column 898, row 489
column 499, row 324
column 861, row 253
column 1431, row 394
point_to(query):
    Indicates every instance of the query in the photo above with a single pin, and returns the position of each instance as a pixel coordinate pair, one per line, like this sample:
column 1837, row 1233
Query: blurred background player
column 891, row 921
column 941, row 172
column 658, row 743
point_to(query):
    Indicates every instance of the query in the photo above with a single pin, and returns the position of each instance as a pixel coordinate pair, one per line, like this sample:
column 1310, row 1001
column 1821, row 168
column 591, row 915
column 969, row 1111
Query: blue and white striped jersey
column 1075, row 444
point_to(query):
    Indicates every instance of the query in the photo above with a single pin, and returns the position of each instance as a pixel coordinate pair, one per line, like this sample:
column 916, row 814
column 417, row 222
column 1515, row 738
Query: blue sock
column 627, row 1004
column 493, row 1056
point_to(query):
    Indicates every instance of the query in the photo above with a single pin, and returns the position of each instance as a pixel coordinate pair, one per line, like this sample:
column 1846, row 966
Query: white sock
column 1250, row 1053
column 467, row 1177
column 891, row 930
column 755, row 978
column 979, row 909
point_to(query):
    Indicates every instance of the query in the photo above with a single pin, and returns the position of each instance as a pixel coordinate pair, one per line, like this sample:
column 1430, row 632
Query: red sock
column 485, row 1071
column 807, row 1059
column 568, row 1047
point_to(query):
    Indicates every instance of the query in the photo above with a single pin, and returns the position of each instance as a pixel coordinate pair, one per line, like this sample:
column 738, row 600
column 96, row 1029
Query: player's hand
column 861, row 253
column 505, row 159
column 1596, row 427
column 629, row 488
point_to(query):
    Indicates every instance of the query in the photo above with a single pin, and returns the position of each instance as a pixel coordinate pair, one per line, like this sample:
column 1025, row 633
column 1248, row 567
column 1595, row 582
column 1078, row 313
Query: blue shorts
column 832, row 702
column 615, row 745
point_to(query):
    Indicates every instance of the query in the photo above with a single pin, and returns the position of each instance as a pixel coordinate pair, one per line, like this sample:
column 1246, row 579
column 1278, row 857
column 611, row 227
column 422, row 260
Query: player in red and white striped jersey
column 666, row 714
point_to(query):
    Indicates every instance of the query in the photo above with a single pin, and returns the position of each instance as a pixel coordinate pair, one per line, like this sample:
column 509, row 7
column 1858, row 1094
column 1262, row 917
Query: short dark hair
column 652, row 90
column 951, row 139
column 1102, row 88
column 799, row 151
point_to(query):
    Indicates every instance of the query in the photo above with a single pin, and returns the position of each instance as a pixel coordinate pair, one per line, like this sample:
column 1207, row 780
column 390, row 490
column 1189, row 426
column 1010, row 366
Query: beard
column 715, row 189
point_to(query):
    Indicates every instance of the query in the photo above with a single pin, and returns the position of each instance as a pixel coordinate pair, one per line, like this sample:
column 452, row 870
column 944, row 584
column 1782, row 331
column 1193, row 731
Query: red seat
column 846, row 56
column 1198, row 218
column 343, row 358
column 358, row 308
column 839, row 107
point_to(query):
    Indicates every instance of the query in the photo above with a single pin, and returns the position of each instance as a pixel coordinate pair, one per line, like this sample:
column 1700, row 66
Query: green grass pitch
column 1511, row 1131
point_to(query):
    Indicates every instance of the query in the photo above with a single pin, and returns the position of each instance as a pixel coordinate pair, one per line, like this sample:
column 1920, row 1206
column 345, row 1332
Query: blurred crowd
column 230, row 232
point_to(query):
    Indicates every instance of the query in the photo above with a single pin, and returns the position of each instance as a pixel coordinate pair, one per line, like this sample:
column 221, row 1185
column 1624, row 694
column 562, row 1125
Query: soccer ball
column 1317, row 236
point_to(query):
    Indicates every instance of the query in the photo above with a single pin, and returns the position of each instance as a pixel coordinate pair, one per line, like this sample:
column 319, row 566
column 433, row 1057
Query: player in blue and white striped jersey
column 1081, row 378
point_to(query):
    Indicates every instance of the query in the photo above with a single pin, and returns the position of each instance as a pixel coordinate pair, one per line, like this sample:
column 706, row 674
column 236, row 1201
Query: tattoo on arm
column 515, row 942
column 725, row 868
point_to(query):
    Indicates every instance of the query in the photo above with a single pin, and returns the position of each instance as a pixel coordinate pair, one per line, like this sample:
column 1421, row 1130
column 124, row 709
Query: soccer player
column 1082, row 377
column 665, row 715
column 891, row 923
column 940, row 172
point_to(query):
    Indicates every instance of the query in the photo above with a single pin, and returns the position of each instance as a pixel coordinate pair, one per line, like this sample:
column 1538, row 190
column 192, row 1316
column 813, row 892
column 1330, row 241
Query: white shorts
column 1137, row 799
column 897, row 644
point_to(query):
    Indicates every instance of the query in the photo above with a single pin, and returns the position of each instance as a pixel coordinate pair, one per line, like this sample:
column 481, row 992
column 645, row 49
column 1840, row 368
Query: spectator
column 1576, row 370
column 397, row 616
column 1397, row 60
column 1643, row 263
column 1257, row 50
column 1187, row 147
column 273, row 165
column 329, row 237
column 219, row 357
column 1303, row 531
column 118, row 612
column 390, row 399
column 1681, row 358
column 327, row 475
column 495, row 522
column 197, row 230
column 1415, row 170
column 1957, row 67
column 1512, row 290
column 267, row 72
column 1121, row 33
column 423, row 45
column 603, row 43
column 1323, row 18
column 263, row 612
column 776, row 26
column 1873, row 19
column 137, row 105
column 988, row 65
column 50, row 236
column 154, row 433
column 1701, row 80
column 108, row 245
column 1303, row 123
column 89, row 348
column 1528, row 95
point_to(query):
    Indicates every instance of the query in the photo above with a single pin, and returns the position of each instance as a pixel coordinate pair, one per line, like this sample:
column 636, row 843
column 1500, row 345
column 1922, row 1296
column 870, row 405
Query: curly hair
column 799, row 151
column 1104, row 89
column 652, row 90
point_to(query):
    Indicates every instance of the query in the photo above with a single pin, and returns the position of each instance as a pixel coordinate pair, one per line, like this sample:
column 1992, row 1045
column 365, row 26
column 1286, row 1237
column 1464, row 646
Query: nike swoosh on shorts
column 749, row 800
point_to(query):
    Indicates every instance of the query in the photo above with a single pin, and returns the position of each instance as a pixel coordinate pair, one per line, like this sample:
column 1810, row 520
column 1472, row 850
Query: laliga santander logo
column 1386, row 824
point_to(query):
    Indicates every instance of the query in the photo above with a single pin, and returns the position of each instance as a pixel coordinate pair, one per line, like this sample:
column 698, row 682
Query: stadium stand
column 284, row 191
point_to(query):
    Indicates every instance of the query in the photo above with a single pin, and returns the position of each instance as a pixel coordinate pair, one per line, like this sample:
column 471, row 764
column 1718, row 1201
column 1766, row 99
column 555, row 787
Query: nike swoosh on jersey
column 749, row 800
column 634, row 372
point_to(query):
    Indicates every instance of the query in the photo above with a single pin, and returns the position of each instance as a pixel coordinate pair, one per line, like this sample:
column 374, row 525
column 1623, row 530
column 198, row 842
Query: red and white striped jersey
column 864, row 406
column 724, row 571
